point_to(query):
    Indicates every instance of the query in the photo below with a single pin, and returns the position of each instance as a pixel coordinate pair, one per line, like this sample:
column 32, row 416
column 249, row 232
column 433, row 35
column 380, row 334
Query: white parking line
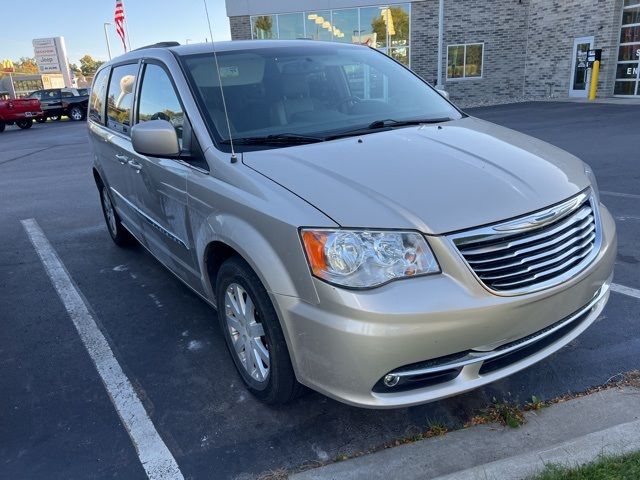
column 154, row 455
column 632, row 292
column 618, row 194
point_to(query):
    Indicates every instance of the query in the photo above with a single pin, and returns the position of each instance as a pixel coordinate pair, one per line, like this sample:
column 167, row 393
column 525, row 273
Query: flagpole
column 126, row 26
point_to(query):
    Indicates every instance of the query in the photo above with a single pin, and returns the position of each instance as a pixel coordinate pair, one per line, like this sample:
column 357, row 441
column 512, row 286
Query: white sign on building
column 51, row 57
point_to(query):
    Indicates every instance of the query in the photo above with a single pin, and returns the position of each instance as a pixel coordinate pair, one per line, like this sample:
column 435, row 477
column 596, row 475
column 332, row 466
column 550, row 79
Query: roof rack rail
column 159, row 45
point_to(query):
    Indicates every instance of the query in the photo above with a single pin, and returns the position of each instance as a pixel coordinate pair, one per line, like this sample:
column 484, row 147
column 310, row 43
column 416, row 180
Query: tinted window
column 67, row 94
column 37, row 95
column 51, row 95
column 96, row 102
column 120, row 97
column 158, row 99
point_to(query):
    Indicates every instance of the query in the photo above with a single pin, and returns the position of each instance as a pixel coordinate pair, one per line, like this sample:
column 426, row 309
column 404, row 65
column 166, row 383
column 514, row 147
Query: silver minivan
column 355, row 232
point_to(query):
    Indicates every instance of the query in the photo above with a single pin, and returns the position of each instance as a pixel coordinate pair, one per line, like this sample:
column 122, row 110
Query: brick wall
column 240, row 27
column 553, row 26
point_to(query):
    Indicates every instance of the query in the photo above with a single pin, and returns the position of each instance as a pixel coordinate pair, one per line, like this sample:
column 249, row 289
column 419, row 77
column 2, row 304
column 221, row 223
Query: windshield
column 319, row 91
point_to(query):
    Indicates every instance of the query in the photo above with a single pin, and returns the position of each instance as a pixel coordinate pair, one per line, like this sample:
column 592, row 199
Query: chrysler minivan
column 352, row 229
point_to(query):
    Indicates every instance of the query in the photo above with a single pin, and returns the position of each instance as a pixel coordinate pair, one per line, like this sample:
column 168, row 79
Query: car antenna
column 234, row 158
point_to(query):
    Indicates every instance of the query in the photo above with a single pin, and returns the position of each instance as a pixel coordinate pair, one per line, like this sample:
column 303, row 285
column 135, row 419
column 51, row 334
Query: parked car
column 364, row 238
column 58, row 102
column 19, row 111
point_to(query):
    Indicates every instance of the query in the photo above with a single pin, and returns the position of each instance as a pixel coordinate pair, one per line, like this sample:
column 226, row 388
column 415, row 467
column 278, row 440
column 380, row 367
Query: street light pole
column 106, row 36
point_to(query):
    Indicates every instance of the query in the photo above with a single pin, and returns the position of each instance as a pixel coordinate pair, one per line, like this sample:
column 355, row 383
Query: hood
column 432, row 178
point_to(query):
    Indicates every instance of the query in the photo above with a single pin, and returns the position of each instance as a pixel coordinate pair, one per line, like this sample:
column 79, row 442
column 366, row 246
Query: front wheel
column 24, row 124
column 76, row 113
column 253, row 334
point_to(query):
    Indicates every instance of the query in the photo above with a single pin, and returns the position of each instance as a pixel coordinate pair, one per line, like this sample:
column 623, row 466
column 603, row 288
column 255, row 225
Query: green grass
column 625, row 467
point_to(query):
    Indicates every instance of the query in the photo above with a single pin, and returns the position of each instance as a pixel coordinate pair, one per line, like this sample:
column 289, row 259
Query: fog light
column 391, row 380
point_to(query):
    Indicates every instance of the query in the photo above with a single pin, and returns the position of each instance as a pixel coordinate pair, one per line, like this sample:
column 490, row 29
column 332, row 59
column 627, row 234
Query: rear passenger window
column 120, row 97
column 159, row 100
column 98, row 93
column 67, row 94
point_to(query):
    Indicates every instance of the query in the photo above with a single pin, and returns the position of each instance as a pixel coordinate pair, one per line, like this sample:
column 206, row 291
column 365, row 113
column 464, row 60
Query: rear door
column 114, row 144
column 164, row 181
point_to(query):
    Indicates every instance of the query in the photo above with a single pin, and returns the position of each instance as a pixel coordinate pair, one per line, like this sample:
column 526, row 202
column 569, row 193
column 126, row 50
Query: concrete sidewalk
column 570, row 433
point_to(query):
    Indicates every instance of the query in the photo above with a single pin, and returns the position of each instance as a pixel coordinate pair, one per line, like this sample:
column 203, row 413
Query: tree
column 26, row 65
column 88, row 65
column 400, row 34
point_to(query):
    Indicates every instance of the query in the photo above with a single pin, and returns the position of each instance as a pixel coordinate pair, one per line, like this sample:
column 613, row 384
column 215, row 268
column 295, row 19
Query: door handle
column 123, row 159
column 135, row 165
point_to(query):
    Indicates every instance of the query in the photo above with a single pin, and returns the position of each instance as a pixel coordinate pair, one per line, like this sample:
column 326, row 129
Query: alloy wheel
column 109, row 212
column 76, row 114
column 247, row 332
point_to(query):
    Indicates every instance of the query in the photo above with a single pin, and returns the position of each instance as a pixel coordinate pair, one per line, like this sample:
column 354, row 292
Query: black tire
column 280, row 385
column 54, row 118
column 76, row 113
column 24, row 124
column 2, row 125
column 41, row 119
column 118, row 233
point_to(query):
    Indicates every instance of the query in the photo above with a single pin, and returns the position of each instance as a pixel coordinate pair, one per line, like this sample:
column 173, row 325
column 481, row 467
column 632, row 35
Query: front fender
column 281, row 266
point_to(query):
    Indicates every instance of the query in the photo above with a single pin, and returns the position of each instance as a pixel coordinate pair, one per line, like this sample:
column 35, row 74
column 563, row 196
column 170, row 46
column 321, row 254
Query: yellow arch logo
column 7, row 65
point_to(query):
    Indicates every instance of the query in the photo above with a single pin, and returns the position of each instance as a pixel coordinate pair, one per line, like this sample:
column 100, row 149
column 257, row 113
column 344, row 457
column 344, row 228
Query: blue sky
column 81, row 25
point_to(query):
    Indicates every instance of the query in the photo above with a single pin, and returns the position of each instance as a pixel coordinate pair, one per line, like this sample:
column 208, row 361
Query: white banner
column 43, row 42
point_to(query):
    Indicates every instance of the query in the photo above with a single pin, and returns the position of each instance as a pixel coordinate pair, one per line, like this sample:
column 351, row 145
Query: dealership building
column 490, row 50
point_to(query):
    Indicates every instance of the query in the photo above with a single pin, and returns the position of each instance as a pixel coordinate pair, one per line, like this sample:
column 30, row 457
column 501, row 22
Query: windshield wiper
column 276, row 139
column 387, row 124
column 390, row 122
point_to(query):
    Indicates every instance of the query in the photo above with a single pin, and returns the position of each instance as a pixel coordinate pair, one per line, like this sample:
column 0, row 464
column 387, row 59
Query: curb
column 569, row 433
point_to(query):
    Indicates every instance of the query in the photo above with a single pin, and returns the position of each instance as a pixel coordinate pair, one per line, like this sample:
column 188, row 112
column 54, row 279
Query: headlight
column 367, row 258
column 592, row 178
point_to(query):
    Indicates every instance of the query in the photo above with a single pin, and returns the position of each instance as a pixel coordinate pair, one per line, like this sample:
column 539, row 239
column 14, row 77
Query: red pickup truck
column 21, row 111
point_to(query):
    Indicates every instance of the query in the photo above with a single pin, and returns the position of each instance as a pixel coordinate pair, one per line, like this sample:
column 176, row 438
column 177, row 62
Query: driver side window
column 158, row 99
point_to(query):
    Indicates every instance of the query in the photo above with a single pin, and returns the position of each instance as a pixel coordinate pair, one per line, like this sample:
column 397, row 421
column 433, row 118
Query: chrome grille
column 536, row 251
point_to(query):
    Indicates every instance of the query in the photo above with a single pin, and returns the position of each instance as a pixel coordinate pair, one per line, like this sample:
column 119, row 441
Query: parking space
column 59, row 420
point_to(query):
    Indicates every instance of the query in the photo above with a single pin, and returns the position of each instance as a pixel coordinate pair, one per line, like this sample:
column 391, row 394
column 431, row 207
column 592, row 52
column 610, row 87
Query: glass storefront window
column 314, row 22
column 631, row 15
column 373, row 27
column 344, row 26
column 398, row 24
column 625, row 88
column 385, row 27
column 401, row 54
column 263, row 27
column 291, row 26
column 630, row 34
column 628, row 69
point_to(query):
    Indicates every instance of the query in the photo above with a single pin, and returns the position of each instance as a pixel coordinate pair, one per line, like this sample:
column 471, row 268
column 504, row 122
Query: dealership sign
column 51, row 57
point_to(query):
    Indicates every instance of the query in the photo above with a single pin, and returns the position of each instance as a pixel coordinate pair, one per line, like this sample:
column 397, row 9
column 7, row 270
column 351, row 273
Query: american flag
column 119, row 20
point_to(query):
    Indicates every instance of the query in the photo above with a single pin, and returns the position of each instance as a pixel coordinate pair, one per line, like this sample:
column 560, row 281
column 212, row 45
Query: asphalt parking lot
column 56, row 418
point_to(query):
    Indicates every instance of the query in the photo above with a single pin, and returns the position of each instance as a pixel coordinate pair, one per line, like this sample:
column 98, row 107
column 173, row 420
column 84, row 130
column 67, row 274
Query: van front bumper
column 441, row 334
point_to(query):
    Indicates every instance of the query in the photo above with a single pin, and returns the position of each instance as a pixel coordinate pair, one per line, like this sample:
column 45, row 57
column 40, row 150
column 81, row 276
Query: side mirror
column 155, row 138
column 442, row 92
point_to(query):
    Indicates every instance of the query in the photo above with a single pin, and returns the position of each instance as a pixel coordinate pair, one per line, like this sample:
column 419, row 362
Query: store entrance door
column 579, row 67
